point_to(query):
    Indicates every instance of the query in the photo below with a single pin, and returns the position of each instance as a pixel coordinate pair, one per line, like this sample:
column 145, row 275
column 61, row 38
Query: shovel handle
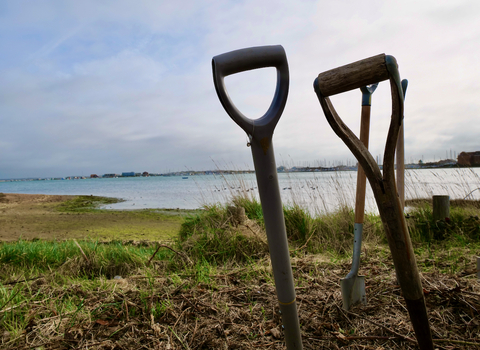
column 355, row 75
column 361, row 177
column 247, row 59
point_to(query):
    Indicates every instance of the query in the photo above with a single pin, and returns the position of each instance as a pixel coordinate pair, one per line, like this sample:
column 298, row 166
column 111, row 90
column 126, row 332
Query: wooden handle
column 354, row 75
column 361, row 177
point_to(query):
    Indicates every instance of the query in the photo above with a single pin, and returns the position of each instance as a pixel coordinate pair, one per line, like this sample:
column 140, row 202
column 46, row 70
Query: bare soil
column 36, row 216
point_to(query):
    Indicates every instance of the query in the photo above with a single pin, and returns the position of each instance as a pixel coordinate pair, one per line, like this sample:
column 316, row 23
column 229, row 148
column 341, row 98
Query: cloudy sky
column 113, row 86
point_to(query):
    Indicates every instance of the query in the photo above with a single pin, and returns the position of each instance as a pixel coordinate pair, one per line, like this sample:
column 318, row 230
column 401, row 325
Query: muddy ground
column 36, row 216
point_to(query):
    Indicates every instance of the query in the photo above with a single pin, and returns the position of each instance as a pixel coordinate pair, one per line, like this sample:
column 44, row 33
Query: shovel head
column 353, row 291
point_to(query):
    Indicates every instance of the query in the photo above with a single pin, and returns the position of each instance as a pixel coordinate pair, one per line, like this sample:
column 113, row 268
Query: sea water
column 318, row 192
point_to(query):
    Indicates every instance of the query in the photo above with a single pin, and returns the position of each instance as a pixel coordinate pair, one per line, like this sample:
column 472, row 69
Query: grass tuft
column 86, row 203
column 462, row 225
column 93, row 260
column 213, row 236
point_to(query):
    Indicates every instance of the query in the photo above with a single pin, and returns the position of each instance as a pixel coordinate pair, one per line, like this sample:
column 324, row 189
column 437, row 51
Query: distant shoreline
column 443, row 164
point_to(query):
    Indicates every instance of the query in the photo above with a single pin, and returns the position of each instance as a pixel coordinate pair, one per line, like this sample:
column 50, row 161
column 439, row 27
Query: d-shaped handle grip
column 247, row 59
column 367, row 92
column 355, row 75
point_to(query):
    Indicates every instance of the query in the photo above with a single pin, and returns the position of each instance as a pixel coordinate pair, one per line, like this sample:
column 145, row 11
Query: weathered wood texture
column 384, row 188
column 400, row 160
column 353, row 76
column 441, row 207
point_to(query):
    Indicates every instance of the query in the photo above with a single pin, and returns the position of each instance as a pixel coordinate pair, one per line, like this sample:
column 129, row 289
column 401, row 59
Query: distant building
column 94, row 176
column 469, row 158
column 145, row 174
column 128, row 174
column 110, row 175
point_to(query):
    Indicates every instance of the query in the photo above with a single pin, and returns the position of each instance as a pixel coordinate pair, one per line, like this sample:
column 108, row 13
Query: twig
column 341, row 311
column 24, row 280
column 126, row 310
column 173, row 250
column 180, row 340
column 471, row 193
column 81, row 250
column 188, row 301
column 308, row 240
column 21, row 304
column 382, row 326
column 176, row 290
column 373, row 337
column 179, row 317
column 455, row 342
column 10, row 299
column 194, row 332
column 257, row 235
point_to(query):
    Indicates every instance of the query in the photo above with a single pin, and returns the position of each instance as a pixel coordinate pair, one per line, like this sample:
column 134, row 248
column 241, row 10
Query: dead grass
column 192, row 302
column 236, row 308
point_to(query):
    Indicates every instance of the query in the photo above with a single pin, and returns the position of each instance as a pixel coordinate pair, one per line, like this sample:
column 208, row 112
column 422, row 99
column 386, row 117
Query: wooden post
column 441, row 207
column 478, row 267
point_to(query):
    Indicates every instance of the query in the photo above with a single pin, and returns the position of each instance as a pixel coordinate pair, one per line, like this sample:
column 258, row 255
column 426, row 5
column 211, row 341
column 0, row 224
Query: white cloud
column 99, row 84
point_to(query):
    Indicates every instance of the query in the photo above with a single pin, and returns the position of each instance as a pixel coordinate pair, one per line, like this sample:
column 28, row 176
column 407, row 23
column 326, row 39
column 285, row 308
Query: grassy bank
column 212, row 286
column 67, row 217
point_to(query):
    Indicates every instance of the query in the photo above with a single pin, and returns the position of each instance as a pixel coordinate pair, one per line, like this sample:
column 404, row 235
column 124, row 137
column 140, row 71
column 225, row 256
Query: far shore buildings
column 469, row 158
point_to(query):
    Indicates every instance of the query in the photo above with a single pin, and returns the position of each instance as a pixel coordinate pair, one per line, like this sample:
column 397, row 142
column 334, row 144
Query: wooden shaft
column 361, row 177
column 354, row 75
column 400, row 157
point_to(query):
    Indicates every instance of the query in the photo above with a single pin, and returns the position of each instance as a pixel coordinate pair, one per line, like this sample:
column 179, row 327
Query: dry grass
column 236, row 308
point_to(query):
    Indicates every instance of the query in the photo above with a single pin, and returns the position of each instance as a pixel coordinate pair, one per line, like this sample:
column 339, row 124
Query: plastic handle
column 355, row 75
column 247, row 59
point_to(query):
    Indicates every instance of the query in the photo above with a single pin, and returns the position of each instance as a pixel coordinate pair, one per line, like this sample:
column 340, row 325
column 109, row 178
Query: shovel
column 349, row 77
column 353, row 285
column 260, row 132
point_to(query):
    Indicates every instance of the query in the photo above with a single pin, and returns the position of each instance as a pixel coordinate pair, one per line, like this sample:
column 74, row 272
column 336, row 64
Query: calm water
column 319, row 192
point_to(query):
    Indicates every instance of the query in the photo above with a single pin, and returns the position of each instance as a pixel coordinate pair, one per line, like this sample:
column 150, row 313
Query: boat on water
column 184, row 177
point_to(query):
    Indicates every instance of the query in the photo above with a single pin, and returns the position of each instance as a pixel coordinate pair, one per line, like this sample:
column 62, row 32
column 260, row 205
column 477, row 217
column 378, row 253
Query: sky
column 115, row 86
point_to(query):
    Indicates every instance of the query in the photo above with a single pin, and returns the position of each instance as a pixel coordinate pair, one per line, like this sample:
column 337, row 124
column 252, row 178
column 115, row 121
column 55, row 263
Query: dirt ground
column 32, row 216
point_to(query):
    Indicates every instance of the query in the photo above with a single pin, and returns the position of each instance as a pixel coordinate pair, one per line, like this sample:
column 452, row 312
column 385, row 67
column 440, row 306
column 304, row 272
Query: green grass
column 210, row 233
column 86, row 203
column 463, row 225
column 210, row 236
column 40, row 257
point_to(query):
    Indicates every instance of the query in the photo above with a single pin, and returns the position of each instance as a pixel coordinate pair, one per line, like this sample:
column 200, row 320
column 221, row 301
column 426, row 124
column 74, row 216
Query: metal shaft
column 267, row 179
